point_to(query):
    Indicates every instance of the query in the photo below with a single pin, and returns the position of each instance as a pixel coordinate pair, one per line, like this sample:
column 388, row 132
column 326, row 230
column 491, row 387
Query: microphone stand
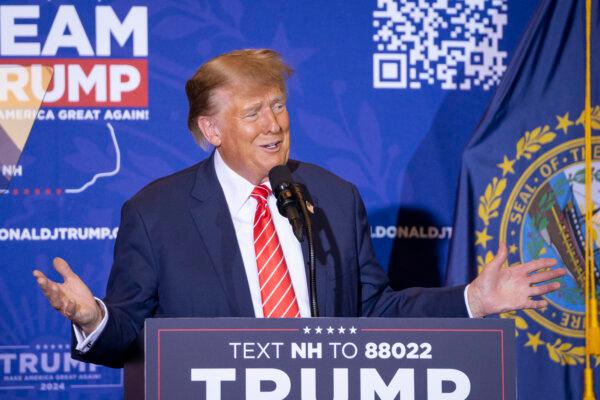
column 312, row 271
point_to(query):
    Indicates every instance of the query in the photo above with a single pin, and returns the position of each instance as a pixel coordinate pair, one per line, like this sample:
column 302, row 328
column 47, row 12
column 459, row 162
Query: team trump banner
column 385, row 94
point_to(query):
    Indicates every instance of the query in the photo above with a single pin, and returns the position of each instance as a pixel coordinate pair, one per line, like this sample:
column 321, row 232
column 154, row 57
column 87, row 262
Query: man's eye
column 251, row 115
column 278, row 106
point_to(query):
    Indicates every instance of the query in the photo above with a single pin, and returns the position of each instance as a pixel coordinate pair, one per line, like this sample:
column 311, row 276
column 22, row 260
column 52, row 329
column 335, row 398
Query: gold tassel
column 588, row 393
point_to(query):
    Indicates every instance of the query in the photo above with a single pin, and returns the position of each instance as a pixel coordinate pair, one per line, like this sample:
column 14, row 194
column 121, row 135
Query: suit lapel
column 213, row 220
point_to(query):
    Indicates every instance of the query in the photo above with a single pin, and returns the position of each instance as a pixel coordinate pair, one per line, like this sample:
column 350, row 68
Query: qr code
column 453, row 43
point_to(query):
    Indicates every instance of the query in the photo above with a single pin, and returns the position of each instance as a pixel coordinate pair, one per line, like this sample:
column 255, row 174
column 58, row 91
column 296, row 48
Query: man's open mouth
column 271, row 146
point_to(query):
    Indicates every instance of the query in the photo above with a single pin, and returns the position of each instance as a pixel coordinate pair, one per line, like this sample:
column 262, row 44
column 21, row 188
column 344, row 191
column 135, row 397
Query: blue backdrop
column 386, row 94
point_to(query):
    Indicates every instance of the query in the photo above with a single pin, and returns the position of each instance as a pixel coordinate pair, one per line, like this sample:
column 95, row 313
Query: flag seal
column 536, row 205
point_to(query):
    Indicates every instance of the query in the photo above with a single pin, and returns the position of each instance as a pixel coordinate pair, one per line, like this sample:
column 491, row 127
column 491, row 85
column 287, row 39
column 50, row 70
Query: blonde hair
column 263, row 67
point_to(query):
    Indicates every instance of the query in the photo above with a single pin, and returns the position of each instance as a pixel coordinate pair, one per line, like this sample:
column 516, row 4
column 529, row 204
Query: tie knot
column 261, row 193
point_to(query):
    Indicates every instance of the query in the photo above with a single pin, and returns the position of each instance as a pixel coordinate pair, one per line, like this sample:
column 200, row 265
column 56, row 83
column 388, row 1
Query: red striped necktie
column 276, row 290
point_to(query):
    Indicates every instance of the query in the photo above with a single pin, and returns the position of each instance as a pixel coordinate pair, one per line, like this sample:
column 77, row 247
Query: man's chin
column 278, row 159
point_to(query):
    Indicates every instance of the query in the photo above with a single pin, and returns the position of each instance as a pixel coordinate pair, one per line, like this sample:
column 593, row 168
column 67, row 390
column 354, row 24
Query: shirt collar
column 235, row 187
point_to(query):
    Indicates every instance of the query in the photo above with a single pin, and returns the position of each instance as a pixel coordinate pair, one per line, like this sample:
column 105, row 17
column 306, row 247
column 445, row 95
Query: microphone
column 290, row 200
column 287, row 204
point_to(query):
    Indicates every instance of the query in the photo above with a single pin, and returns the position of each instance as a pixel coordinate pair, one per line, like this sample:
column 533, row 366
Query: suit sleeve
column 131, row 294
column 378, row 299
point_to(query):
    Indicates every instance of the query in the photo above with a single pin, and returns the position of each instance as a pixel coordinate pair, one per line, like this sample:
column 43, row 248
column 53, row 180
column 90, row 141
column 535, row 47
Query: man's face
column 253, row 130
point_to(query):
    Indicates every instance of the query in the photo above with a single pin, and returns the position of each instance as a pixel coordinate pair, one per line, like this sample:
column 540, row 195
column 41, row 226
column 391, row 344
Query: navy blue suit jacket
column 176, row 255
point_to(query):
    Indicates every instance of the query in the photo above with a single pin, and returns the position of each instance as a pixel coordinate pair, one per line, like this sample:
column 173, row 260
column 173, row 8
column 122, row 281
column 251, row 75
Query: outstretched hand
column 72, row 298
column 500, row 288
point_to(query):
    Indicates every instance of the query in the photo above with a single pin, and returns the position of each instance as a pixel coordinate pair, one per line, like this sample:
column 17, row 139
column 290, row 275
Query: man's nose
column 271, row 123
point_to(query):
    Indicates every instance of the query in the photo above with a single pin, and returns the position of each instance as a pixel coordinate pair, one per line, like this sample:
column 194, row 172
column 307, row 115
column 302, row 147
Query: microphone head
column 281, row 181
column 280, row 178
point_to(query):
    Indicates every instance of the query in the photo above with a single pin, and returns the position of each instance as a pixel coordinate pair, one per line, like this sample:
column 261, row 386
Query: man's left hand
column 500, row 288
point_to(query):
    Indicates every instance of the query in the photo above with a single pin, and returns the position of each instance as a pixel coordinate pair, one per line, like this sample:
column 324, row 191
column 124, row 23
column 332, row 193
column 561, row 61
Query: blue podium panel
column 340, row 358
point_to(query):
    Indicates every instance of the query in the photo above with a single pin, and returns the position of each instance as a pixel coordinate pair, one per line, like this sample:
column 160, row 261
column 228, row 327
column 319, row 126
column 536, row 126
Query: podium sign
column 329, row 358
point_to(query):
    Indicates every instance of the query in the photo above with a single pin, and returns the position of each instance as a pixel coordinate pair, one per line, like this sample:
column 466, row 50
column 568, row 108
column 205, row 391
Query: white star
column 341, row 330
column 52, row 347
column 330, row 330
column 353, row 330
column 318, row 329
column 307, row 330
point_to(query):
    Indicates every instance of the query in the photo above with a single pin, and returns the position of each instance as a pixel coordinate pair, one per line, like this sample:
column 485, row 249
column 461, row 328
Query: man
column 208, row 241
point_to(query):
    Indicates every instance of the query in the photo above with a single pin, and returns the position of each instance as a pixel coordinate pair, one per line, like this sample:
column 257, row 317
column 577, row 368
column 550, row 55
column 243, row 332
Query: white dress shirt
column 242, row 208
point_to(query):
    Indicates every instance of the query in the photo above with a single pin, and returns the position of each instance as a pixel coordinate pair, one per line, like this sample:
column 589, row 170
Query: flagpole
column 592, row 333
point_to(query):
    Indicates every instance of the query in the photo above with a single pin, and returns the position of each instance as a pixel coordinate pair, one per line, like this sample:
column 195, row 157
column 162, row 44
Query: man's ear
column 209, row 130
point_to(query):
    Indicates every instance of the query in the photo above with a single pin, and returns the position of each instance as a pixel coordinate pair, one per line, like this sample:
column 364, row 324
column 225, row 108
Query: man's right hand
column 72, row 298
